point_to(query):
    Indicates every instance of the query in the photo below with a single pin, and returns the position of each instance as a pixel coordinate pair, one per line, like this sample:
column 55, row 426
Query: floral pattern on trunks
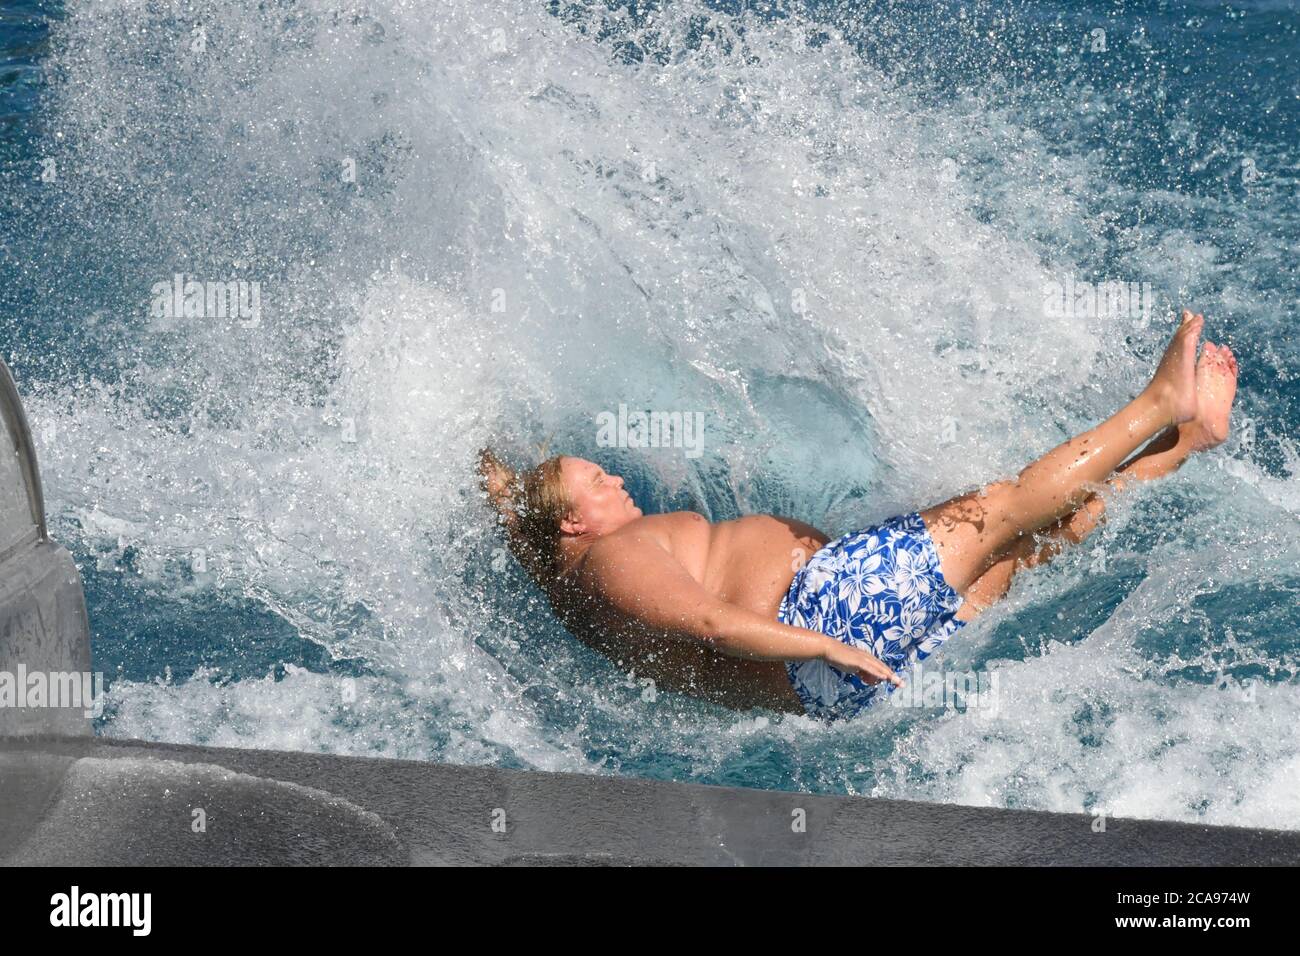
column 880, row 589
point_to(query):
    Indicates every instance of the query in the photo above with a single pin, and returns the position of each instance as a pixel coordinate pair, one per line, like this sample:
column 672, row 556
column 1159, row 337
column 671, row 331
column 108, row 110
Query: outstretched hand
column 854, row 660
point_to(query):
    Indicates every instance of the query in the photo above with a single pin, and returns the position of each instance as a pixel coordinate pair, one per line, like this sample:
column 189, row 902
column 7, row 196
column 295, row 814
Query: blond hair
column 530, row 506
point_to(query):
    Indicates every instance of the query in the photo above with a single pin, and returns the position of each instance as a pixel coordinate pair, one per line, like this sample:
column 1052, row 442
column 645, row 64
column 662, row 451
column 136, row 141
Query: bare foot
column 1216, row 385
column 1174, row 384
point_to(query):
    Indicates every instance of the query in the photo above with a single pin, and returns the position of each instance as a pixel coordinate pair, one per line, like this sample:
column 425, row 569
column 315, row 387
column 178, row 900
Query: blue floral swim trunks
column 880, row 589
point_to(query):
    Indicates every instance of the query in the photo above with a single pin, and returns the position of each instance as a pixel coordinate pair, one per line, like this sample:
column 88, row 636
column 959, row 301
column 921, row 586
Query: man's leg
column 1162, row 457
column 971, row 530
column 1216, row 385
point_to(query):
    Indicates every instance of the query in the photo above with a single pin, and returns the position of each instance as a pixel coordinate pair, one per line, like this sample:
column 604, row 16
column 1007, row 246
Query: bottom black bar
column 336, row 905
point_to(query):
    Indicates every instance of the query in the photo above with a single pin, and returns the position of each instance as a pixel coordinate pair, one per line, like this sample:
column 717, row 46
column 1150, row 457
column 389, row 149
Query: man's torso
column 748, row 562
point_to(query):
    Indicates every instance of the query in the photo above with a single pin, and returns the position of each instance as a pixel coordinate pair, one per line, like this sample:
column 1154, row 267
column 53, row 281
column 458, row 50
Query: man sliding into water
column 722, row 611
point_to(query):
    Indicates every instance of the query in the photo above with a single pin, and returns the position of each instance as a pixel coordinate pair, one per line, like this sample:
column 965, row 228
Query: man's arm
column 642, row 580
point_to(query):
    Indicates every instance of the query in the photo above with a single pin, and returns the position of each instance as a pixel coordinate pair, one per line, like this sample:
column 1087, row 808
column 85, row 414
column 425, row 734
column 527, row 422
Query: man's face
column 600, row 505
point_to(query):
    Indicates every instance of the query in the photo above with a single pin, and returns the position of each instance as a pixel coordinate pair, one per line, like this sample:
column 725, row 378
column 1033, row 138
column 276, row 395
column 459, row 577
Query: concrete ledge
column 123, row 803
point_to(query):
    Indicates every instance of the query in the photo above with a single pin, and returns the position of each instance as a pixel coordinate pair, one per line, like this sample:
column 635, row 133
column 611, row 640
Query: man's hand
column 853, row 660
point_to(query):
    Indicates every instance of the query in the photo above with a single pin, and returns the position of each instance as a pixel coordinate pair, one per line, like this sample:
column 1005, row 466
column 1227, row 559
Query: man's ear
column 571, row 524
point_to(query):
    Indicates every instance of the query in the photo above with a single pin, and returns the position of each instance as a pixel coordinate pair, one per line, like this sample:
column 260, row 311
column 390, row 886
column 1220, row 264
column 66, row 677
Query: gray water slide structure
column 68, row 797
